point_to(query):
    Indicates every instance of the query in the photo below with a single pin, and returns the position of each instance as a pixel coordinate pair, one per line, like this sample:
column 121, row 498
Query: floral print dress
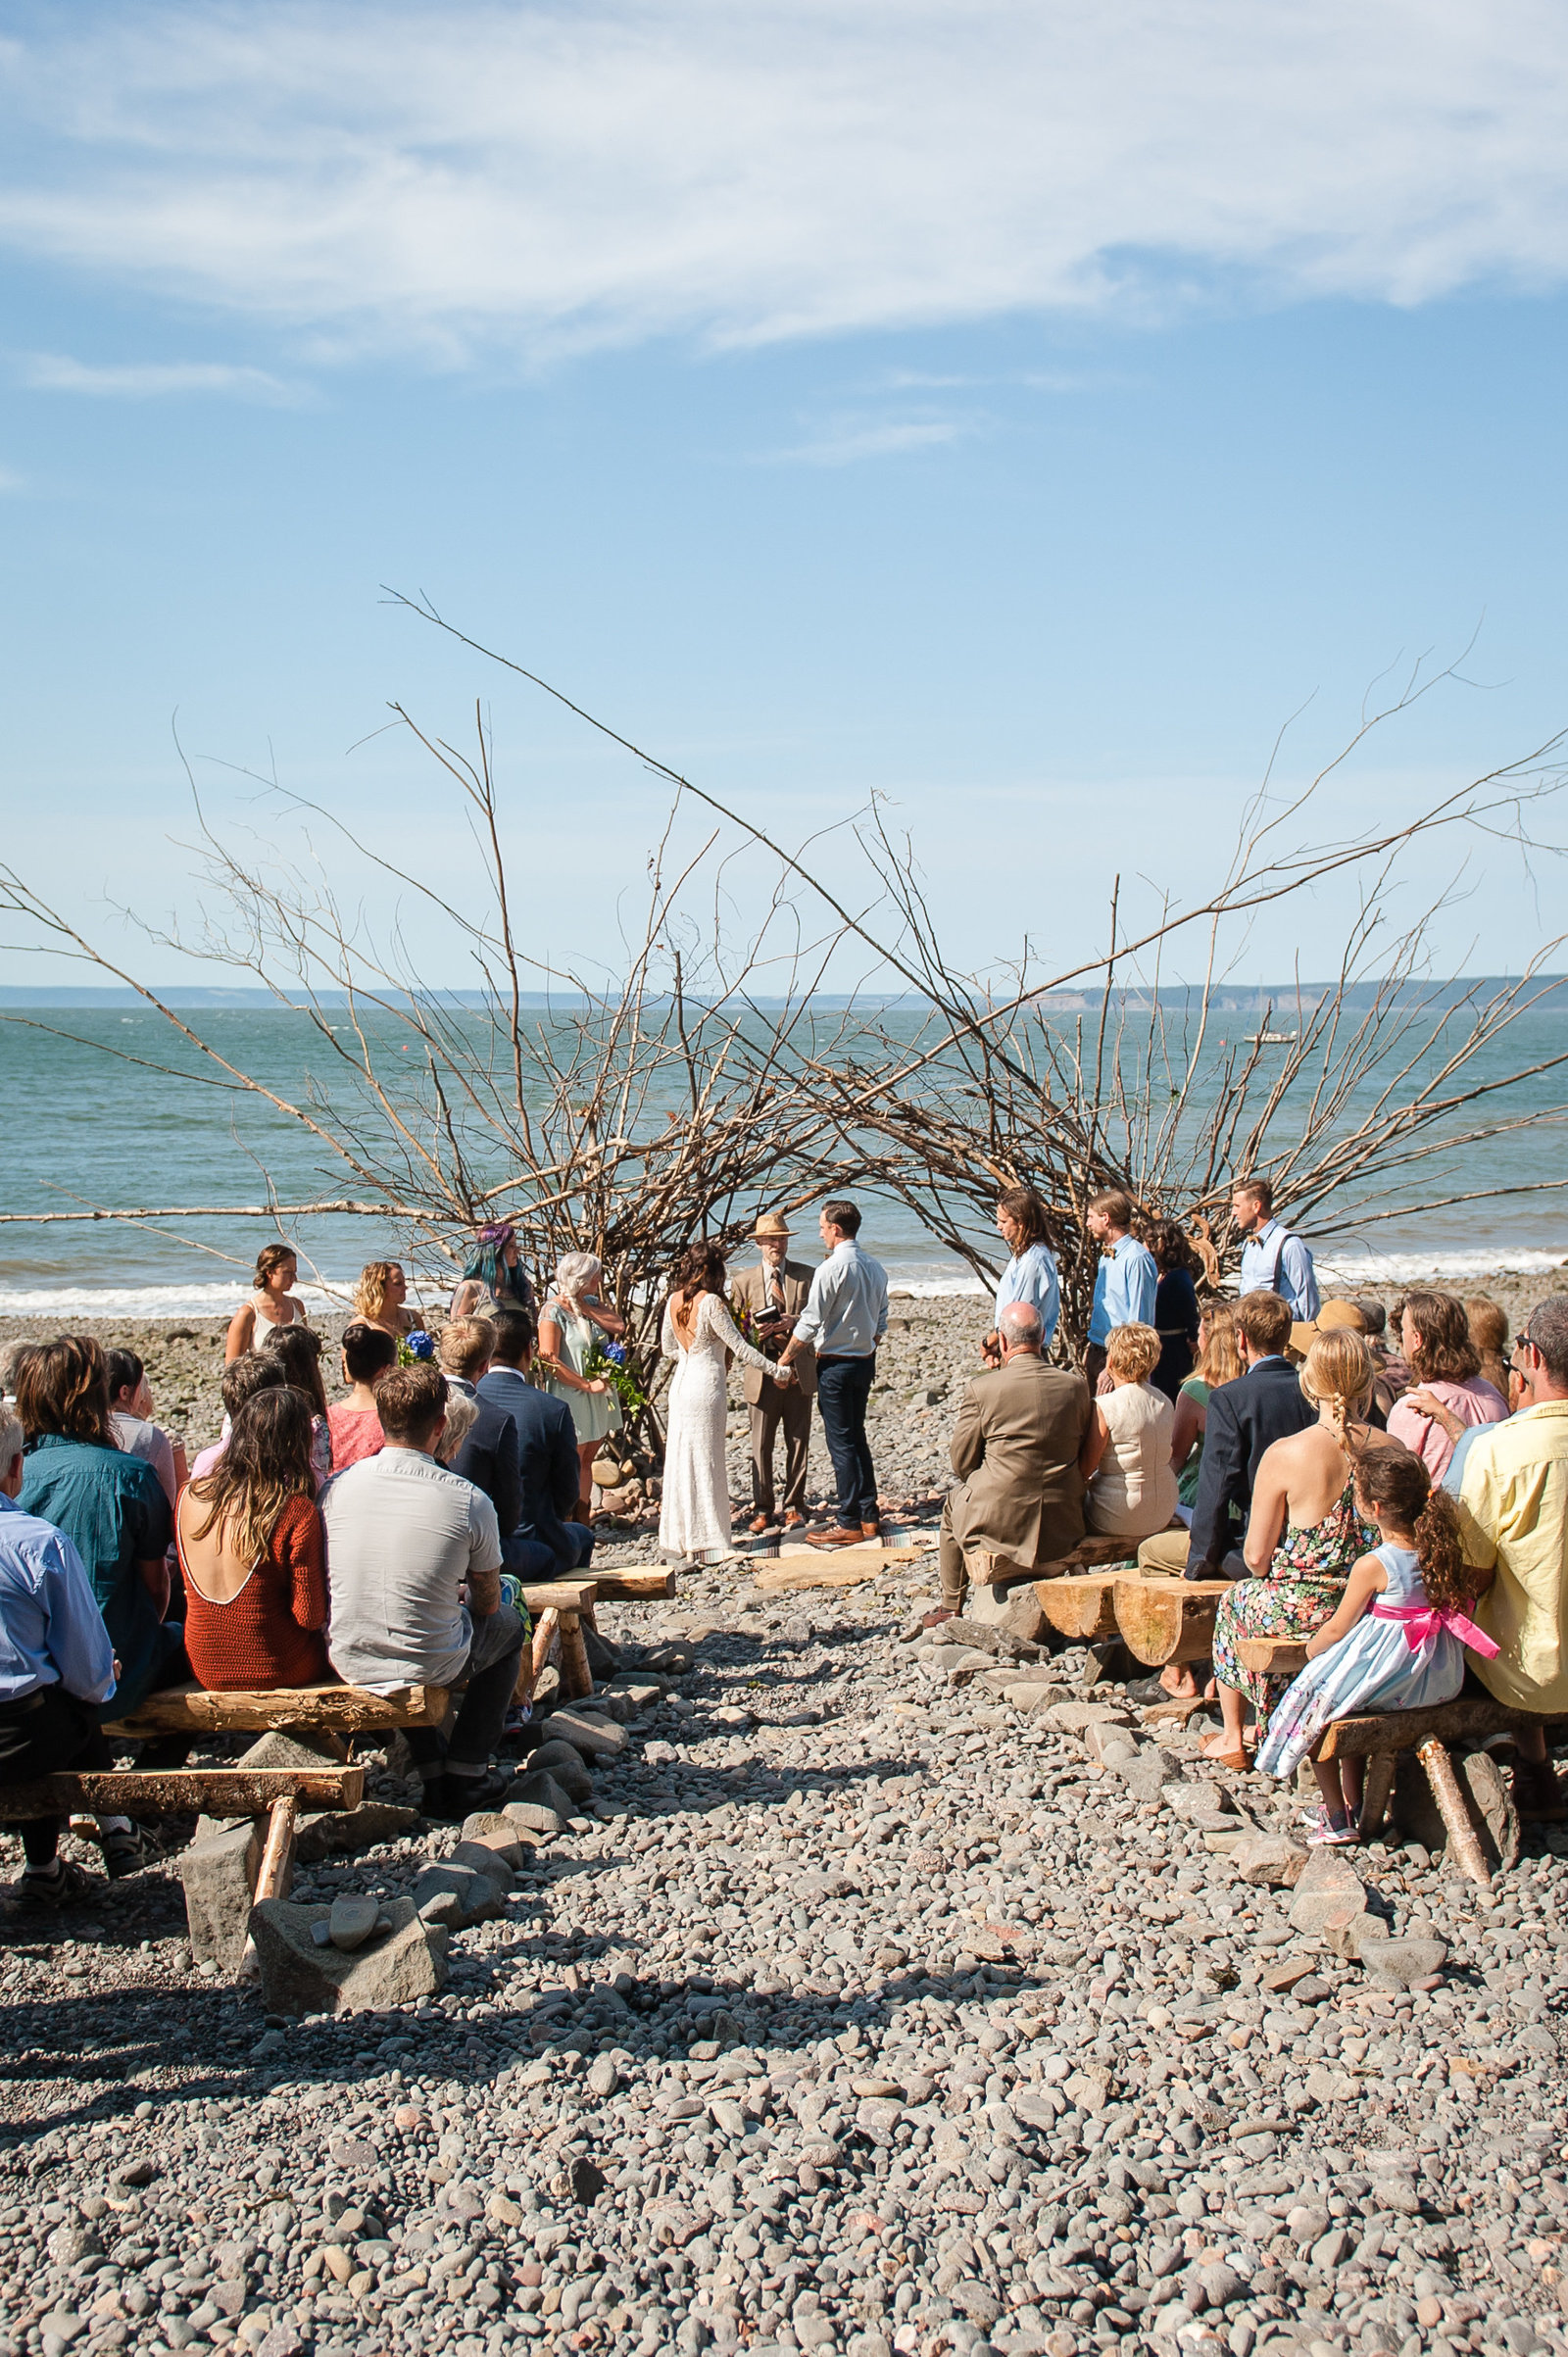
column 1299, row 1591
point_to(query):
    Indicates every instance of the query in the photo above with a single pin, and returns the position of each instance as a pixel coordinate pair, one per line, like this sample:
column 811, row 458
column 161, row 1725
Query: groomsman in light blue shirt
column 1125, row 1282
column 1273, row 1260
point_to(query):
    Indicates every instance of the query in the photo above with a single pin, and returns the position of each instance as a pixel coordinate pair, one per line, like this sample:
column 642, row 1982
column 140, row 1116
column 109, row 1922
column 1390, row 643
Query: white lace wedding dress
column 693, row 1517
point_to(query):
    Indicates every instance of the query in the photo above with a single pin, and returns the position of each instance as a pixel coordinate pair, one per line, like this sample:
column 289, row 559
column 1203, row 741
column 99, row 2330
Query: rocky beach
column 866, row 1989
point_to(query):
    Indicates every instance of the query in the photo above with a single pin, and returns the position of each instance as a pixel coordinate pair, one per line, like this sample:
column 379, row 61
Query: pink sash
column 1422, row 1621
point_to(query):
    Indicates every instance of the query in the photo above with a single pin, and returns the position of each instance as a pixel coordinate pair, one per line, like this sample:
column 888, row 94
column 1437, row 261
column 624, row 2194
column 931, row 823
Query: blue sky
column 1017, row 411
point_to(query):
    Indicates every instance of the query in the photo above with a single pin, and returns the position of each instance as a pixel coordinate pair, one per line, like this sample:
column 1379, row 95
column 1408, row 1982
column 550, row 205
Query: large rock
column 1071, row 1718
column 1403, row 1962
column 586, row 1731
column 492, row 1831
column 1273, row 1859
column 1327, row 1885
column 1146, row 1773
column 1012, row 1612
column 538, row 1805
column 300, row 1976
column 219, row 1870
column 487, row 1861
column 456, row 1896
column 566, row 1763
column 328, row 1832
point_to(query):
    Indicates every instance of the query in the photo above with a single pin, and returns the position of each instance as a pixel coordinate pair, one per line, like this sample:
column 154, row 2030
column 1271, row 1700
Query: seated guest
column 356, row 1428
column 299, row 1353
column 463, row 1414
column 57, row 1667
column 256, row 1372
column 415, row 1557
column 546, row 1543
column 488, row 1454
column 1264, row 1405
column 1513, row 1516
column 1217, row 1364
column 379, row 1298
column 130, row 1412
column 109, row 1504
column 1393, row 1375
column 1015, row 1449
column 253, row 1556
column 1303, row 1533
column 1449, row 1392
column 1125, row 1454
column 1488, row 1321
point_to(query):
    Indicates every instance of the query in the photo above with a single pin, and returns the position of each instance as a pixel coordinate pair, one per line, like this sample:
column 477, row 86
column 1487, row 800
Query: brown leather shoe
column 837, row 1537
column 758, row 1524
column 872, row 1533
column 934, row 1620
column 794, row 1521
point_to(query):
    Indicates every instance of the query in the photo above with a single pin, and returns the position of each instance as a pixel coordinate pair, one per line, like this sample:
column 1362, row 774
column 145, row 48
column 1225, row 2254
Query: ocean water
column 84, row 1129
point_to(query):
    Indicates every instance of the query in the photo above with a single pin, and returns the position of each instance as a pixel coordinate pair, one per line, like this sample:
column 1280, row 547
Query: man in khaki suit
column 1017, row 1439
column 772, row 1296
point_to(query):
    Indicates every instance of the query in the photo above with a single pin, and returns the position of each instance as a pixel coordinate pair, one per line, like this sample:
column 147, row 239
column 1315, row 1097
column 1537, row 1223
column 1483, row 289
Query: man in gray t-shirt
column 413, row 1554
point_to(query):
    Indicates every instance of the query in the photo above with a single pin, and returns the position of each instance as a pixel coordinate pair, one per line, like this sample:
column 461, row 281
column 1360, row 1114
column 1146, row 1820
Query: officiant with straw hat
column 766, row 1302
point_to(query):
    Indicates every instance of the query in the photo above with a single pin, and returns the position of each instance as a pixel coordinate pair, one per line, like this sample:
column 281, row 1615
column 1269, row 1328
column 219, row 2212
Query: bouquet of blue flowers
column 415, row 1347
column 611, row 1363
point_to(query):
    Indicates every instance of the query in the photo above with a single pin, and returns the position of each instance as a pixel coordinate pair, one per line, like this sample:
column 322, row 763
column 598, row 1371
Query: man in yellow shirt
column 1513, row 1506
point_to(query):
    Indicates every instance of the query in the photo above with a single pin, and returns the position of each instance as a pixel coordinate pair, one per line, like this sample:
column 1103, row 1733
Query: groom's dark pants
column 843, row 1390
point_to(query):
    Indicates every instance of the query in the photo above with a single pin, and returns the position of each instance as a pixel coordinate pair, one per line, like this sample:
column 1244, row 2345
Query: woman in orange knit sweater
column 253, row 1549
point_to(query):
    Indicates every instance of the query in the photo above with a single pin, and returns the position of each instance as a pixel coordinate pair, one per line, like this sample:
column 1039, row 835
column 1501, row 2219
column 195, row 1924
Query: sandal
column 1339, row 1831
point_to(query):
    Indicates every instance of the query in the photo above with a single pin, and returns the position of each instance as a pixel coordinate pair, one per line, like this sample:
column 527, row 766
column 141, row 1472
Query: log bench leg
column 1375, row 1798
column 1468, row 1855
column 576, row 1678
column 545, row 1631
column 278, row 1857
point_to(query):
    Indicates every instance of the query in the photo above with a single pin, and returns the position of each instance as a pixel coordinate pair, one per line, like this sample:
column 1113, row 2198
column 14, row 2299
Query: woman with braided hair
column 1303, row 1533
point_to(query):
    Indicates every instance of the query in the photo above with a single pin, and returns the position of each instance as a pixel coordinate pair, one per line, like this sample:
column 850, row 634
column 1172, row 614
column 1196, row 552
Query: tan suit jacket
column 749, row 1292
column 1015, row 1449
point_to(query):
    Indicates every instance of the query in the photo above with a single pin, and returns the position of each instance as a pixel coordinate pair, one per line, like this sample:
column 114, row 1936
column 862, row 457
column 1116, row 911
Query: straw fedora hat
column 1333, row 1317
column 770, row 1223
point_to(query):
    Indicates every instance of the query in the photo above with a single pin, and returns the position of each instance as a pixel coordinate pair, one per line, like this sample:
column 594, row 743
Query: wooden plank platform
column 795, row 1551
column 1161, row 1620
column 846, row 1567
column 344, row 1709
column 631, row 1587
column 181, row 1792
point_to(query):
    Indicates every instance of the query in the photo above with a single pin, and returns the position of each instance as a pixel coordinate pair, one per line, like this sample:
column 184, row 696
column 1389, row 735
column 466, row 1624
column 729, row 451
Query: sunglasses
column 1525, row 1342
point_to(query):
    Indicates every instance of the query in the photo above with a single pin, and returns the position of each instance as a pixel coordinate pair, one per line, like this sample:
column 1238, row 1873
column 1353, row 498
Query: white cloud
column 147, row 381
column 387, row 173
column 845, row 443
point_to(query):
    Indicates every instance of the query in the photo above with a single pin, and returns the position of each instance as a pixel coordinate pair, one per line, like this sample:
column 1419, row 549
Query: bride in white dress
column 695, row 1518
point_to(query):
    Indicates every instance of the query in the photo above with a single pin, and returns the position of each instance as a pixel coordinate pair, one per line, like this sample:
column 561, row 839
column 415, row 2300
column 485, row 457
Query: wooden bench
column 991, row 1570
column 215, row 1791
column 314, row 1709
column 1159, row 1620
column 1465, row 1724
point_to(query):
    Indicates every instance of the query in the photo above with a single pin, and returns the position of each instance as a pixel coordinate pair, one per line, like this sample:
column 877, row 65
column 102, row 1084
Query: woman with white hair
column 572, row 1320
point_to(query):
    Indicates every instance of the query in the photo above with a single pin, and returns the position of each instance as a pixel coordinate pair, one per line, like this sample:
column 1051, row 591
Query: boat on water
column 1271, row 1038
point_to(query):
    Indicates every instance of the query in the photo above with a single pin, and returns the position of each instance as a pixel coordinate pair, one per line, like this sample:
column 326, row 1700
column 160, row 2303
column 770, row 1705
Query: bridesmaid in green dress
column 571, row 1322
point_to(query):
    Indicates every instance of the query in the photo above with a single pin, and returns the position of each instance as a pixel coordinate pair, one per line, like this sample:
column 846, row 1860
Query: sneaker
column 1337, row 1831
column 127, row 1850
column 65, row 1887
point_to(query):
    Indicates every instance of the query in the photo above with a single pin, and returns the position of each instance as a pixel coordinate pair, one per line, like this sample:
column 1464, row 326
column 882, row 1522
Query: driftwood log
column 181, row 1792
column 1083, row 1611
column 345, row 1709
column 1168, row 1620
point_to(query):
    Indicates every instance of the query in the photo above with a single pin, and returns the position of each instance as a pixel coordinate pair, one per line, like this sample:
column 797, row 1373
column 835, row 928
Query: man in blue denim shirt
column 1125, row 1282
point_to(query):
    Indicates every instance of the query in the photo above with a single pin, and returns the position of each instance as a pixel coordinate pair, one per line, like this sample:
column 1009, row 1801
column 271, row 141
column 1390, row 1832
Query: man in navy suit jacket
column 1265, row 1403
column 545, row 1545
column 488, row 1456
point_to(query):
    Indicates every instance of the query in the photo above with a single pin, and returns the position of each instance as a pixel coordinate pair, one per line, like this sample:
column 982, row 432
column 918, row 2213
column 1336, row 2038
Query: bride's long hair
column 701, row 1268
